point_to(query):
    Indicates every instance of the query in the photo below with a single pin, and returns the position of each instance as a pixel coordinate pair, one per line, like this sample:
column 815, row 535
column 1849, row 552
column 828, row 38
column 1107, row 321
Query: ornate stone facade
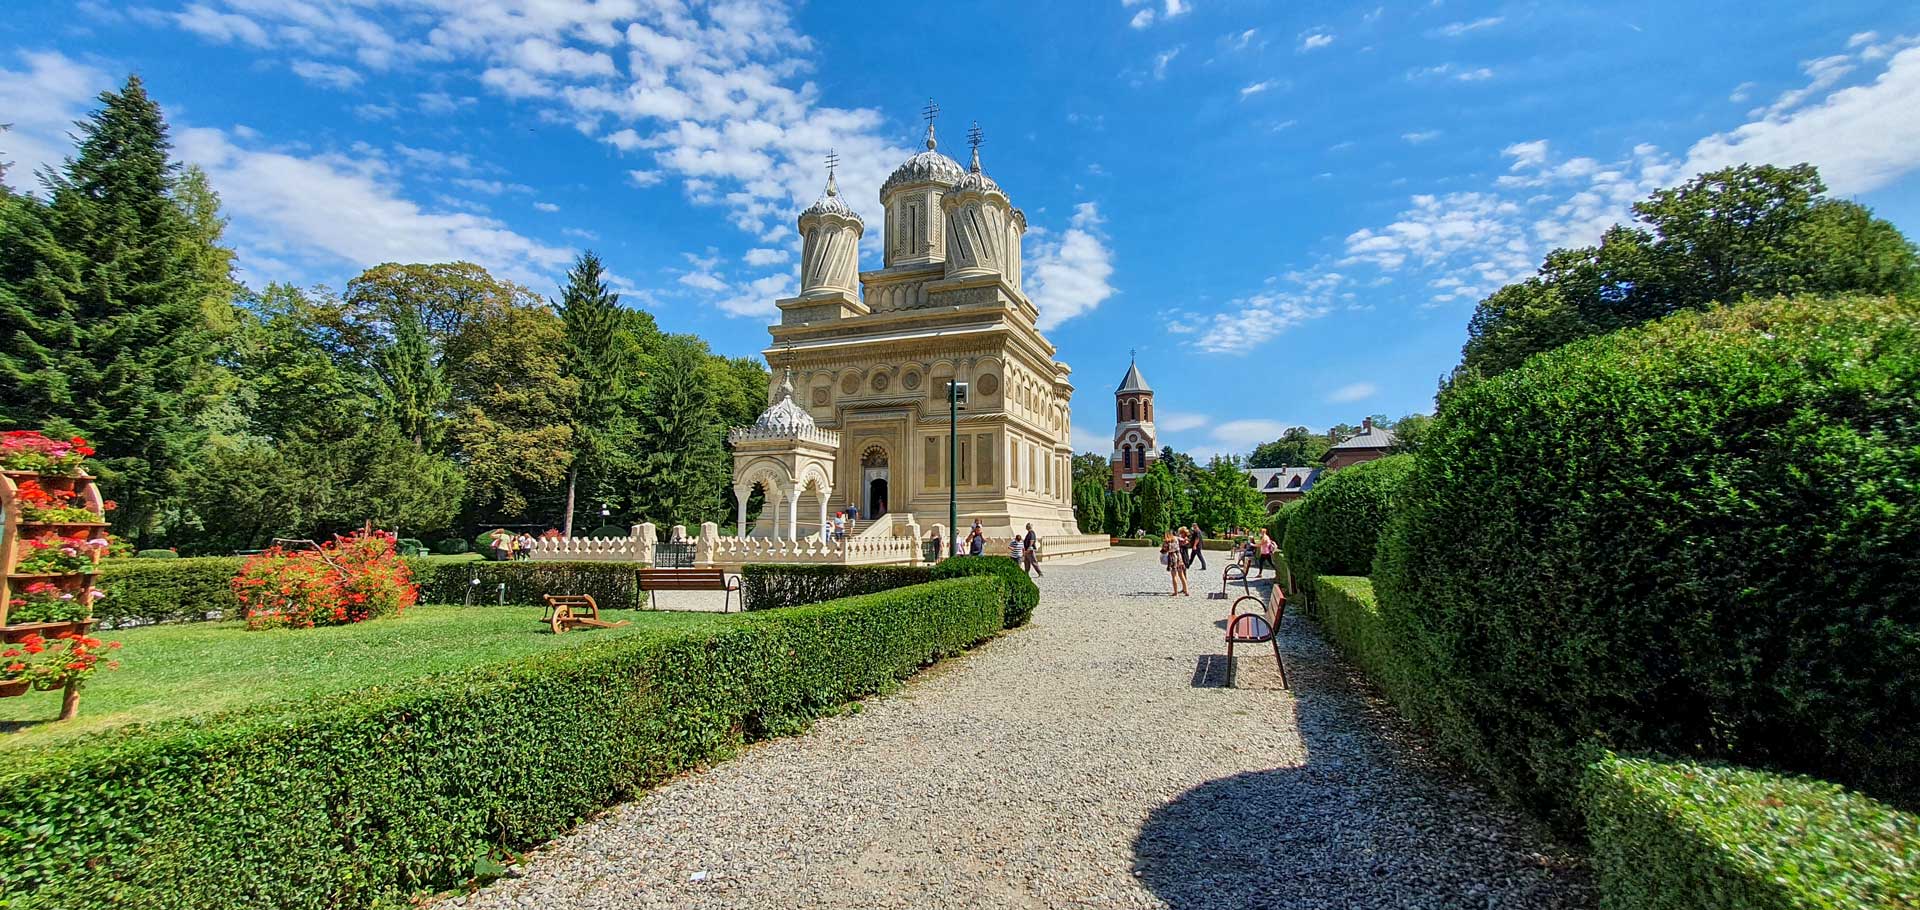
column 870, row 370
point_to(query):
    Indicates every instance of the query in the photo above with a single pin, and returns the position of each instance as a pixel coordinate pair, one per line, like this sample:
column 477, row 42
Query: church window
column 933, row 461
column 913, row 228
column 966, row 460
column 983, row 448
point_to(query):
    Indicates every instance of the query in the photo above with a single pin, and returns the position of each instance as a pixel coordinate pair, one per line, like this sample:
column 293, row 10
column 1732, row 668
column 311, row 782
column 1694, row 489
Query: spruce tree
column 683, row 465
column 137, row 370
column 37, row 279
column 413, row 390
column 601, row 357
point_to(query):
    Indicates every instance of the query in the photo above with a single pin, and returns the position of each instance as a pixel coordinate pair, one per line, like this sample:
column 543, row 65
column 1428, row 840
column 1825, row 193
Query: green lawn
column 198, row 668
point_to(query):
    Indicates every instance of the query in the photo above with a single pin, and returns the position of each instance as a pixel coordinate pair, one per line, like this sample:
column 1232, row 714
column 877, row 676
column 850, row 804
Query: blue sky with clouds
column 1288, row 210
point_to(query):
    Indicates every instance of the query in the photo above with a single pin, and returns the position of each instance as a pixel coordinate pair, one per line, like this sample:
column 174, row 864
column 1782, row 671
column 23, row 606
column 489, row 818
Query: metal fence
column 673, row 555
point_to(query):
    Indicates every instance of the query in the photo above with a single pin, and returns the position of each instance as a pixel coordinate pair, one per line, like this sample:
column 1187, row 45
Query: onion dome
column 830, row 203
column 927, row 167
column 783, row 417
column 975, row 180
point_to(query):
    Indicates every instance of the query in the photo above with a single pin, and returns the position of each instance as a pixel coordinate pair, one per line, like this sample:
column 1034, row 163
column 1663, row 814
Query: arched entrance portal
column 873, row 482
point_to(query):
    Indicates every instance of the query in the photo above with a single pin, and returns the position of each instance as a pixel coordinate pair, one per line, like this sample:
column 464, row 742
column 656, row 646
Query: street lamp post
column 956, row 396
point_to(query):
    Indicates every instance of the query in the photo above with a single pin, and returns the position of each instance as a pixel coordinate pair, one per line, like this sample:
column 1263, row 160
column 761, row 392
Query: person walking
column 1199, row 548
column 853, row 516
column 1266, row 548
column 1032, row 550
column 933, row 536
column 1170, row 553
column 1014, row 546
column 976, row 540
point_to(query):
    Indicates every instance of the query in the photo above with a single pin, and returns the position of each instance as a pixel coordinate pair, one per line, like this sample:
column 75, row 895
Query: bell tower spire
column 829, row 257
column 1135, row 444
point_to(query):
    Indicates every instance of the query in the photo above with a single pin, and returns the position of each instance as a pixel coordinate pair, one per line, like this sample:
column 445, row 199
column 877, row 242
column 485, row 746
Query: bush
column 348, row 580
column 1022, row 594
column 1350, row 616
column 156, row 554
column 450, row 546
column 608, row 531
column 375, row 797
column 613, row 585
column 1277, row 522
column 1681, row 836
column 149, row 591
column 411, row 546
column 1333, row 529
column 1136, row 542
column 768, row 587
column 1700, row 537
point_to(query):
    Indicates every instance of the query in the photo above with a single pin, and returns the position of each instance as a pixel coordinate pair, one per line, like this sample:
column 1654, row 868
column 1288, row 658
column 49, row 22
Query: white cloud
column 1742, row 92
column 1087, row 440
column 1160, row 61
column 1359, row 391
column 331, row 75
column 1141, row 19
column 1416, row 138
column 705, row 281
column 1315, row 40
column 1179, row 421
column 1251, row 321
column 1176, row 8
column 1256, row 88
column 225, row 28
column 1242, row 435
column 547, row 207
column 764, row 257
column 644, row 179
column 1453, row 72
column 1456, row 29
column 1526, row 154
column 1069, row 276
column 491, row 187
column 41, row 101
column 442, row 102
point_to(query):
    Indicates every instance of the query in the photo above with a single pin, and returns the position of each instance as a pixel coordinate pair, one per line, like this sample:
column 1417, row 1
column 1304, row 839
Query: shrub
column 156, row 554
column 608, row 531
column 410, row 546
column 613, row 585
column 1671, row 835
column 1136, row 542
column 451, row 546
column 374, row 797
column 348, row 580
column 1700, row 537
column 1022, row 594
column 140, row 592
column 1348, row 613
column 768, row 587
column 1277, row 522
column 1333, row 529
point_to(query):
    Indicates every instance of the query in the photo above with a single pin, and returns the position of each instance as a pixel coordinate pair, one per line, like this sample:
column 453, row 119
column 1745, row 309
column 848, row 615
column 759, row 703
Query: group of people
column 1024, row 548
column 508, row 545
column 1182, row 547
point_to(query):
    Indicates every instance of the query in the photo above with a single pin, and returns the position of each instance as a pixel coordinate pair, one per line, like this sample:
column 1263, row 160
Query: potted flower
column 54, row 554
column 46, row 602
column 34, row 452
column 65, row 661
column 39, row 504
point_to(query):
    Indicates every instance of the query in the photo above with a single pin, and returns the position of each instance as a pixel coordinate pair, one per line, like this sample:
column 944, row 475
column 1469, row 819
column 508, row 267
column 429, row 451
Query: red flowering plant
column 29, row 450
column 54, row 554
column 44, row 601
column 352, row 579
column 38, row 503
column 53, row 664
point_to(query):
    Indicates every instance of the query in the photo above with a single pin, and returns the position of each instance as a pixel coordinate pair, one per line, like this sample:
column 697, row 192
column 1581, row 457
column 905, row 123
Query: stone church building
column 1135, row 446
column 862, row 359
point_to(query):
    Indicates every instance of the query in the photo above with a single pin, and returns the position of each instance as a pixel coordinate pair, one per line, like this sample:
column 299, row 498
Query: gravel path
column 1092, row 759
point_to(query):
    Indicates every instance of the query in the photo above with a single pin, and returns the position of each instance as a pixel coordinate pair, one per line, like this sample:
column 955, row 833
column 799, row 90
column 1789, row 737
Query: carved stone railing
column 636, row 547
column 829, row 438
column 809, row 551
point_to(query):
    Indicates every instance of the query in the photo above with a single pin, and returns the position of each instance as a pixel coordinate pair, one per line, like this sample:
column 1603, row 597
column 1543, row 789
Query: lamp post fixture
column 956, row 396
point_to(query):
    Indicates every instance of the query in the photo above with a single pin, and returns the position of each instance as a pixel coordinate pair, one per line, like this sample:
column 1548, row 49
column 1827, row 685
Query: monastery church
column 862, row 360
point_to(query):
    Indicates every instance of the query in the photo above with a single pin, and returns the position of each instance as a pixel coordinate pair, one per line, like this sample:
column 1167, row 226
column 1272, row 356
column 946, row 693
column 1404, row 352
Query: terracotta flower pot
column 12, row 687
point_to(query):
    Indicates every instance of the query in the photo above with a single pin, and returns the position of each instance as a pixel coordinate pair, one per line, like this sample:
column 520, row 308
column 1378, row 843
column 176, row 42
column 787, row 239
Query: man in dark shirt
column 1030, row 552
column 1199, row 547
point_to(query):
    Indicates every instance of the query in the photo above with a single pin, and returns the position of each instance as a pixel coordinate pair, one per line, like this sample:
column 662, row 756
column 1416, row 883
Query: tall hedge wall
column 1022, row 594
column 1700, row 537
column 768, row 587
column 1333, row 529
column 374, row 797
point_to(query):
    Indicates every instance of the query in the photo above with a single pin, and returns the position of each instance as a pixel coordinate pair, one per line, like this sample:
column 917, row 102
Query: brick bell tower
column 1135, row 447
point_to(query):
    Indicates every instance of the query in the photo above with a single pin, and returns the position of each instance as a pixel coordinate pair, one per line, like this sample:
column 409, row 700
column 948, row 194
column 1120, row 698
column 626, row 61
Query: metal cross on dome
column 974, row 136
column 833, row 160
column 931, row 111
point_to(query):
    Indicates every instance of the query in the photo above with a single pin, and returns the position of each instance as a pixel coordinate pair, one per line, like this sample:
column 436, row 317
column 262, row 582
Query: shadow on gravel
column 1210, row 672
column 1368, row 821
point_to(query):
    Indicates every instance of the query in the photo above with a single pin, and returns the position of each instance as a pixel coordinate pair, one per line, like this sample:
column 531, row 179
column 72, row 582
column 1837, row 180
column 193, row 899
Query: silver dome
column 927, row 167
column 783, row 417
column 830, row 203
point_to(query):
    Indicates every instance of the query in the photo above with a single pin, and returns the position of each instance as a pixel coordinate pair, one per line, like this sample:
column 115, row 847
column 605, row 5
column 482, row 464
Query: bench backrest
column 669, row 579
column 1276, row 606
column 570, row 600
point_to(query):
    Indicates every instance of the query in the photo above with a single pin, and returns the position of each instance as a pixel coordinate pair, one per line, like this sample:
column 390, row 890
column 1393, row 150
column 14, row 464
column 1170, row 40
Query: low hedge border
column 1674, row 835
column 1022, row 594
column 378, row 796
column 1345, row 607
column 145, row 591
column 770, row 587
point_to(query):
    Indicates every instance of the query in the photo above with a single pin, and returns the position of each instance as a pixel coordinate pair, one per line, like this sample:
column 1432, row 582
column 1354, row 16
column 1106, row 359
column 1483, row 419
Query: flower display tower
column 53, row 533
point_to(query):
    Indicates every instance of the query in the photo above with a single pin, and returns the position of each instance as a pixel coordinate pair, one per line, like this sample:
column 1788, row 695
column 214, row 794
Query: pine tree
column 601, row 358
column 413, row 390
column 37, row 278
column 683, row 465
column 143, row 348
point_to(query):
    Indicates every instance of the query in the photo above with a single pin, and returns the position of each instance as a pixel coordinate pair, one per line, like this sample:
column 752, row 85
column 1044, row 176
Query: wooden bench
column 573, row 611
column 653, row 580
column 1253, row 628
column 1234, row 571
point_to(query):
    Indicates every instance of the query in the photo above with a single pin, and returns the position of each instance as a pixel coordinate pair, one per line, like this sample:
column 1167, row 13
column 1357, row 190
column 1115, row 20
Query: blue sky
column 1288, row 210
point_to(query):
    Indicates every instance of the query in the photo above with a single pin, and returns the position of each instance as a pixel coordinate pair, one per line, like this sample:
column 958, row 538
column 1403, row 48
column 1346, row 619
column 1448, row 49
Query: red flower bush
column 352, row 579
column 53, row 554
column 29, row 450
column 53, row 664
column 38, row 503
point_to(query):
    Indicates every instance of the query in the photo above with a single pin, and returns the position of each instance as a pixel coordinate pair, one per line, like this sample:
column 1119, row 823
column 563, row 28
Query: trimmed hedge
column 1022, row 594
column 156, row 554
column 1277, row 522
column 188, row 590
column 450, row 546
column 1334, row 528
column 1699, row 537
column 1670, row 835
column 1350, row 616
column 769, row 587
column 374, row 797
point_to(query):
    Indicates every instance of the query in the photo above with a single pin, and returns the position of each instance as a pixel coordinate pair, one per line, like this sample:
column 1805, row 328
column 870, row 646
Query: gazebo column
column 793, row 514
column 740, row 496
column 824, row 496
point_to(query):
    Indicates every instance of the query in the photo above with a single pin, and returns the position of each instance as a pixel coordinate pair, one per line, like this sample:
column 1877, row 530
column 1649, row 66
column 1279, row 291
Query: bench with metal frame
column 654, row 580
column 574, row 611
column 1253, row 628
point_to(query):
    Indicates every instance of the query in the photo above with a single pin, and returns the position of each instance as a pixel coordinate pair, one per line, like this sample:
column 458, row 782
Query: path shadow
column 1368, row 820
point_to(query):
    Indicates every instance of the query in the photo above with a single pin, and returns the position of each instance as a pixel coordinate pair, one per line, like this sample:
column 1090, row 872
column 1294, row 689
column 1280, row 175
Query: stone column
column 703, row 549
column 825, row 532
column 793, row 514
column 740, row 527
column 913, row 534
column 647, row 535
